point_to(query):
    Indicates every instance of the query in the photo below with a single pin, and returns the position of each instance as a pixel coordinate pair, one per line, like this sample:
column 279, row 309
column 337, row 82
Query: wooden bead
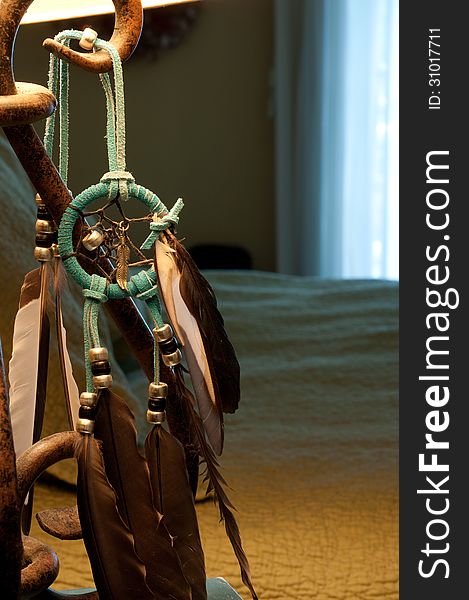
column 44, row 240
column 168, row 347
column 157, row 405
column 87, row 412
column 100, row 367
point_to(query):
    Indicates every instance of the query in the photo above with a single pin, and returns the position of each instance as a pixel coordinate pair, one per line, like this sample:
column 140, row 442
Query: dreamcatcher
column 137, row 513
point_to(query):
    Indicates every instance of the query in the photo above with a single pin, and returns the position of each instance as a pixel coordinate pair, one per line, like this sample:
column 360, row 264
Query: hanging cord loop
column 116, row 182
column 118, row 177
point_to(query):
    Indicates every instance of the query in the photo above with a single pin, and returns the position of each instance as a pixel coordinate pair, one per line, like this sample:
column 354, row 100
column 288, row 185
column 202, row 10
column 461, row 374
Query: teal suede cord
column 116, row 182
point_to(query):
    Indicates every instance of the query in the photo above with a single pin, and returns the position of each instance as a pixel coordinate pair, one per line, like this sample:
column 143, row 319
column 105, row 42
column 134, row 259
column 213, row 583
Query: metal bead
column 173, row 359
column 101, row 382
column 158, row 390
column 96, row 354
column 38, row 200
column 88, row 39
column 43, row 254
column 156, row 417
column 93, row 239
column 88, row 399
column 43, row 226
column 85, row 426
column 164, row 333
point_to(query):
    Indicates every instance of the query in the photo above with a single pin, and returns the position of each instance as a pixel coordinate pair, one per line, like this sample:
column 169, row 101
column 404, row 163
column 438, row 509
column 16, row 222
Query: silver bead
column 101, row 382
column 88, row 38
column 163, row 333
column 93, row 239
column 43, row 226
column 173, row 359
column 43, row 254
column 158, row 390
column 96, row 354
column 88, row 399
column 156, row 417
column 85, row 426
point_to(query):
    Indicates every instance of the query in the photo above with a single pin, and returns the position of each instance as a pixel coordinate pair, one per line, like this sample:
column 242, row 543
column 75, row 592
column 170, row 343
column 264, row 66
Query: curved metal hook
column 39, row 103
column 127, row 30
column 30, row 151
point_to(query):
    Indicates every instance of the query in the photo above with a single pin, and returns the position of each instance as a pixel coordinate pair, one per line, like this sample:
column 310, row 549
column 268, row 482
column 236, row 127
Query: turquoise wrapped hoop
column 65, row 235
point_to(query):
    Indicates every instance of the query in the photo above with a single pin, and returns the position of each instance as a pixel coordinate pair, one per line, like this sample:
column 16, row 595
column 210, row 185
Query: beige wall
column 197, row 120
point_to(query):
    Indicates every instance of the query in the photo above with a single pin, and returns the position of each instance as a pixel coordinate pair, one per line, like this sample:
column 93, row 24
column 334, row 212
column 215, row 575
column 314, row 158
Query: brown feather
column 191, row 306
column 128, row 474
column 179, row 426
column 202, row 303
column 216, row 482
column 118, row 572
column 173, row 498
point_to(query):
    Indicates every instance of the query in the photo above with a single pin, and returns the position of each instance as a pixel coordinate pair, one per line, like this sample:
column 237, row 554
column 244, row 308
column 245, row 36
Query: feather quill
column 173, row 498
column 216, row 482
column 191, row 306
column 118, row 572
column 128, row 474
column 72, row 395
column 28, row 368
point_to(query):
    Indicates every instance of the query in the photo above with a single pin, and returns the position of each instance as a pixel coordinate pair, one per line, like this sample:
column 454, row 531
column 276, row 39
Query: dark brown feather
column 216, row 482
column 118, row 572
column 173, row 498
column 202, row 303
column 128, row 473
column 179, row 426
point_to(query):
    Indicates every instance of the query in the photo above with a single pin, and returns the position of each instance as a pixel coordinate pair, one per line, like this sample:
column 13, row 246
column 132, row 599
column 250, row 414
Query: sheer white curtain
column 336, row 112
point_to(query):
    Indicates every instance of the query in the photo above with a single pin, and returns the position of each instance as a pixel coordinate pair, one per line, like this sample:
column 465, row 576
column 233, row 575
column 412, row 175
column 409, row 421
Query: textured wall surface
column 197, row 120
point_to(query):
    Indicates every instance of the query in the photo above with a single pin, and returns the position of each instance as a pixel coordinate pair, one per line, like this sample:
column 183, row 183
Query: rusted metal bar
column 11, row 548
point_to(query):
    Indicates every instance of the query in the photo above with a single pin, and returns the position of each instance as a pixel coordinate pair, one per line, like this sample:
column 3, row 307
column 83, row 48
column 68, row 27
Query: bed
column 311, row 454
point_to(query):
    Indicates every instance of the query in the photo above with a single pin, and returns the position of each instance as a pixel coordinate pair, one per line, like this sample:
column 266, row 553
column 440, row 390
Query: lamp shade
column 55, row 10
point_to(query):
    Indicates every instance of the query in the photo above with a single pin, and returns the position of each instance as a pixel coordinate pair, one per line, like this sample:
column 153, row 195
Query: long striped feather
column 128, row 474
column 118, row 572
column 173, row 498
